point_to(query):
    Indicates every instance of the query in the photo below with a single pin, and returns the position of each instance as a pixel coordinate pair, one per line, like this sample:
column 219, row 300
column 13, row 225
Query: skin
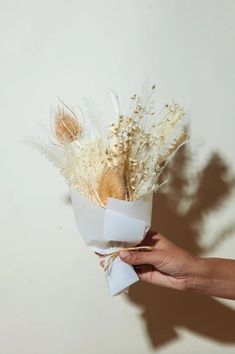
column 170, row 266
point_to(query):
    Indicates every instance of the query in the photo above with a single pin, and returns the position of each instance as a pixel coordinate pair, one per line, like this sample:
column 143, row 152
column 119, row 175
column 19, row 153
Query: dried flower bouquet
column 113, row 171
column 127, row 161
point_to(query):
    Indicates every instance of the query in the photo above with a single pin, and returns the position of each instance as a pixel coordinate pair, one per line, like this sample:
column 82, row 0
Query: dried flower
column 112, row 184
column 66, row 126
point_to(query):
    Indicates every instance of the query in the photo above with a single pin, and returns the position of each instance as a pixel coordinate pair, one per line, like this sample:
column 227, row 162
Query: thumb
column 136, row 258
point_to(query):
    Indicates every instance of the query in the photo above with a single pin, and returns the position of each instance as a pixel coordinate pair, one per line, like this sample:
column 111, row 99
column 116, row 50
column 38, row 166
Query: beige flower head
column 67, row 128
column 112, row 185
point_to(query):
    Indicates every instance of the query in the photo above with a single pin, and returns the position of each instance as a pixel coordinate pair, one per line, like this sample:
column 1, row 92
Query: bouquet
column 112, row 169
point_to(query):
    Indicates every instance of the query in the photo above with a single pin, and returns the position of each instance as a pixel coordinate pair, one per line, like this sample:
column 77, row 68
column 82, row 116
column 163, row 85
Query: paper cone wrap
column 121, row 224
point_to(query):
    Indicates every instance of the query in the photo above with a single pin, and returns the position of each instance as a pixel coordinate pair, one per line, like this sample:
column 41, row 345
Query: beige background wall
column 53, row 296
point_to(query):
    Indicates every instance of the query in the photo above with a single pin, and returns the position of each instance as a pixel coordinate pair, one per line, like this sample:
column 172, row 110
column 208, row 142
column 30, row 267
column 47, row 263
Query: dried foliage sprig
column 125, row 163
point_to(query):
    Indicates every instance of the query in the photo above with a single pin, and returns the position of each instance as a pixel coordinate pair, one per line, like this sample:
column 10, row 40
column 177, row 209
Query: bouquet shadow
column 180, row 215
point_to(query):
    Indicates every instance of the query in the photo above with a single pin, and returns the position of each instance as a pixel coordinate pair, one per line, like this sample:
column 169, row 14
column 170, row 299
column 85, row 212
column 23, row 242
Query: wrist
column 213, row 276
column 199, row 276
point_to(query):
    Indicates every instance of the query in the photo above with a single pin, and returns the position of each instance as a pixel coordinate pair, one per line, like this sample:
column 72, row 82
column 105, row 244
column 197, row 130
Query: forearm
column 213, row 276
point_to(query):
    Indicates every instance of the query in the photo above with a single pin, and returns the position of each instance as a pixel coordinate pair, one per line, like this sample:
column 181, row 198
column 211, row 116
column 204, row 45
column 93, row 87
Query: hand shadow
column 180, row 215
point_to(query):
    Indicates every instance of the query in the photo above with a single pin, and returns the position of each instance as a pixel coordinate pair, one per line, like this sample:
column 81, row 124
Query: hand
column 170, row 266
column 166, row 265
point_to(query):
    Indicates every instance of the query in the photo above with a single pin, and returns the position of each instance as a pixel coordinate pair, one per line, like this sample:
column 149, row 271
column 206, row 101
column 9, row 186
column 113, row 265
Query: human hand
column 166, row 265
column 170, row 266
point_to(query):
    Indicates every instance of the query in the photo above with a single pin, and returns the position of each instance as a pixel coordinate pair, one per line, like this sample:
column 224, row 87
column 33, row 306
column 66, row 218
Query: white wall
column 53, row 297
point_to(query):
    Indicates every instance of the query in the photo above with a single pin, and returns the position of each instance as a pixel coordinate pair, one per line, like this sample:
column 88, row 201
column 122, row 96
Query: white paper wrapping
column 105, row 230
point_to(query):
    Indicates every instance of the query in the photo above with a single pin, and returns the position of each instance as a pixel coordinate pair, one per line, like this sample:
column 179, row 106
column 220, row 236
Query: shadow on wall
column 180, row 215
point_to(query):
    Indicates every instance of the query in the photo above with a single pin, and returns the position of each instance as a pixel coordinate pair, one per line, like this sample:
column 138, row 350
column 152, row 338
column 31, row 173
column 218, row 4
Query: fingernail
column 124, row 254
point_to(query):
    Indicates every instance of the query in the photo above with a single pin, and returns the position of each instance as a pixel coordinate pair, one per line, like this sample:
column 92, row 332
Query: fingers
column 136, row 258
column 150, row 239
column 145, row 272
column 156, row 240
column 154, row 257
column 161, row 242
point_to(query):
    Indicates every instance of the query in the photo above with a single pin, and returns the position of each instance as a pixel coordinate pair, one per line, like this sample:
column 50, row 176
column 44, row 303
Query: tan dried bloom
column 66, row 126
column 111, row 184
